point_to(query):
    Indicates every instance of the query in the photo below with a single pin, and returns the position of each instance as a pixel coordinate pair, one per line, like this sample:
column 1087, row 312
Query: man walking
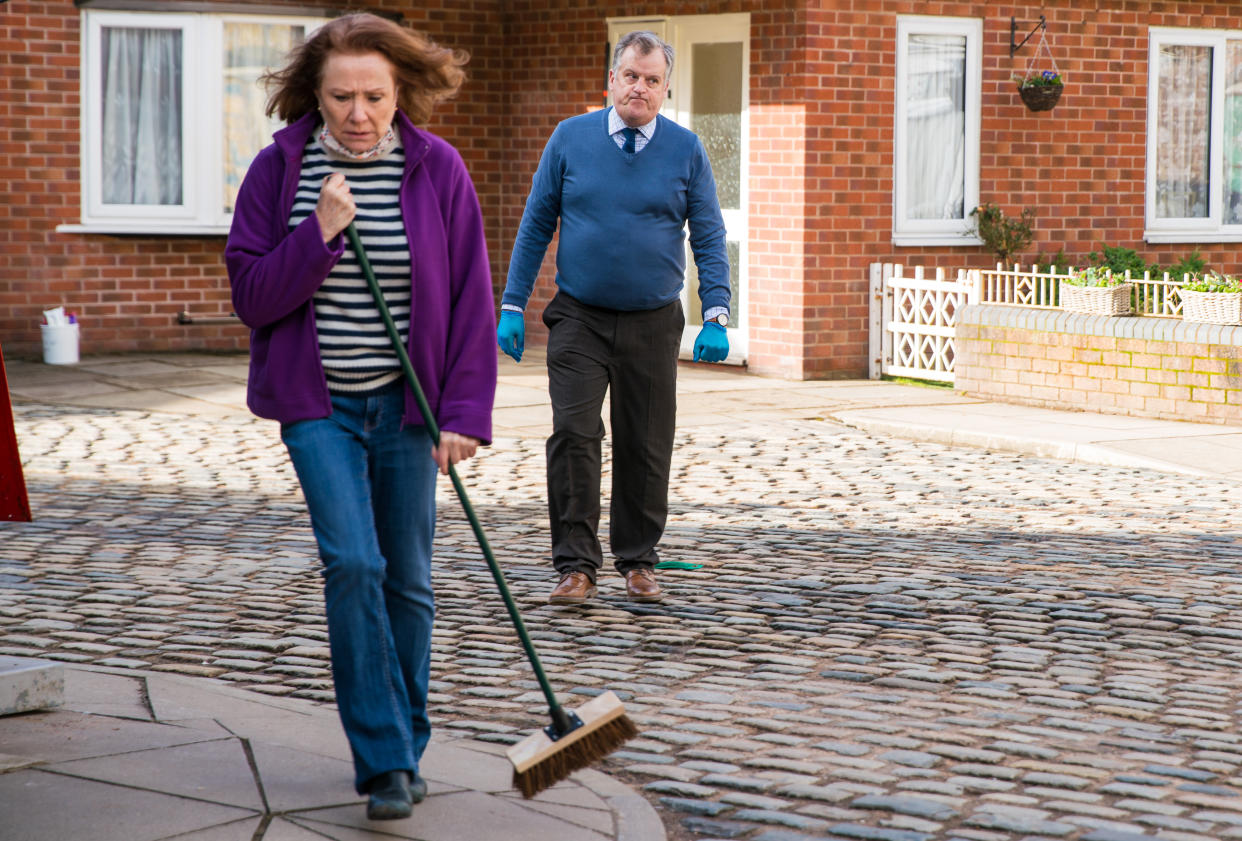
column 623, row 184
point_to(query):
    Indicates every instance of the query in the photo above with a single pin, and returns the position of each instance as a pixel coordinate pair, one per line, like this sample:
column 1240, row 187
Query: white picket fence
column 913, row 317
column 1153, row 296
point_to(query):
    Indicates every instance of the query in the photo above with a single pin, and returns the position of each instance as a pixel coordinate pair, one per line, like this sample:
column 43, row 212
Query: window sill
column 1158, row 237
column 140, row 229
column 936, row 239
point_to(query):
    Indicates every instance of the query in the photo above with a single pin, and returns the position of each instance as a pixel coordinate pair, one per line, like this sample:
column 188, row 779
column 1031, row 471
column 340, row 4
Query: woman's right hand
column 335, row 208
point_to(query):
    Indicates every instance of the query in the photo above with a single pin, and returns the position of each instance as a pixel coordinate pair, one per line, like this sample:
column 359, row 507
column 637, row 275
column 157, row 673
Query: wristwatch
column 722, row 320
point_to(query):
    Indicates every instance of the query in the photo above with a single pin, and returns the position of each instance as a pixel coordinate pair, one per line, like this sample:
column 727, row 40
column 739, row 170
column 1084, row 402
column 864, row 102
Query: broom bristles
column 575, row 756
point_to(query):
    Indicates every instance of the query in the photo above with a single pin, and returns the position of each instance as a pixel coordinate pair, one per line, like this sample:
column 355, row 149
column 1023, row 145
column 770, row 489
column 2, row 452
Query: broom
column 574, row 739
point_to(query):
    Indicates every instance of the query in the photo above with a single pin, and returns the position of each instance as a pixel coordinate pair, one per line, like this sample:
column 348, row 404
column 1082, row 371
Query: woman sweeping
column 322, row 365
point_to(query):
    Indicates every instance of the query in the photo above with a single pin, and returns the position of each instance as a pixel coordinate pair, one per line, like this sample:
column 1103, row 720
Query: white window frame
column 202, row 97
column 1189, row 230
column 934, row 232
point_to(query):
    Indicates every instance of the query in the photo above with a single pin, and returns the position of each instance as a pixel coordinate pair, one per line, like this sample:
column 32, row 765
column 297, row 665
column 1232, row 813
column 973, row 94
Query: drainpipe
column 184, row 317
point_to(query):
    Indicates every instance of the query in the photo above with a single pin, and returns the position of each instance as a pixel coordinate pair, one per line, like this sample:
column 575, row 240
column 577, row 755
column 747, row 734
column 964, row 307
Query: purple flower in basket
column 1046, row 79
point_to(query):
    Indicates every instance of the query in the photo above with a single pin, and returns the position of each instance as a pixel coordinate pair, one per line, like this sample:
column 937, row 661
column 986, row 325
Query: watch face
column 722, row 320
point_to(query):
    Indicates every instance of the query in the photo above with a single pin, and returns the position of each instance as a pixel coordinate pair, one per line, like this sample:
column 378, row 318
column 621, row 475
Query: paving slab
column 296, row 780
column 63, row 390
column 40, row 806
column 102, row 693
column 30, row 684
column 243, row 829
column 124, row 368
column 285, row 829
column 154, row 400
column 1170, row 446
column 225, row 762
column 217, row 771
column 467, row 814
column 466, row 766
column 64, row 736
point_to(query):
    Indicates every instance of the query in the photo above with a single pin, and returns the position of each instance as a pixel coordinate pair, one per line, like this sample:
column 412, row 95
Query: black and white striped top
column 353, row 343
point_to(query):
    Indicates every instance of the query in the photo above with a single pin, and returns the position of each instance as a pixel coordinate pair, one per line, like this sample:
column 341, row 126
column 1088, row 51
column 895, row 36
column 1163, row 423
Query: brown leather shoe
column 641, row 585
column 575, row 588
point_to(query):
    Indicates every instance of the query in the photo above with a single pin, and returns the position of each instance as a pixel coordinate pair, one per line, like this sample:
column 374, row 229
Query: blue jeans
column 370, row 488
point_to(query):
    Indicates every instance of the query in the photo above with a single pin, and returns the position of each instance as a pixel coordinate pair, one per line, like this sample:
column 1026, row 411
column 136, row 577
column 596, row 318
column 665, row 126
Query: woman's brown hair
column 426, row 73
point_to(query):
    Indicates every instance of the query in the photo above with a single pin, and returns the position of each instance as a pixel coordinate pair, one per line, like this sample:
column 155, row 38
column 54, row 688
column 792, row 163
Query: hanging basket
column 1040, row 97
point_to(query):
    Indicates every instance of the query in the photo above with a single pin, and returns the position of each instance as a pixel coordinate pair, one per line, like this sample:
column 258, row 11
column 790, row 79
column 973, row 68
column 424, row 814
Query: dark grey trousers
column 632, row 356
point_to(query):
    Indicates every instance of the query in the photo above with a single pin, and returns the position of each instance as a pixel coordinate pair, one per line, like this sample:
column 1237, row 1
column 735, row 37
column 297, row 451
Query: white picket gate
column 913, row 320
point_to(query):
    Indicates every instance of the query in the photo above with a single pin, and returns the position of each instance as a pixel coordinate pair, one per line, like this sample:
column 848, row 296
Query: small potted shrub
column 1040, row 91
column 1005, row 235
column 1212, row 298
column 1096, row 291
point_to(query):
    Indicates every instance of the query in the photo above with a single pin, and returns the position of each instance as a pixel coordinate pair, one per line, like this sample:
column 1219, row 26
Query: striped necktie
column 629, row 139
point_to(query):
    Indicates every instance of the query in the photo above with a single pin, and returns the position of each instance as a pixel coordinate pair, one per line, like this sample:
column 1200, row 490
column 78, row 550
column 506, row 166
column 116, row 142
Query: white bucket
column 60, row 344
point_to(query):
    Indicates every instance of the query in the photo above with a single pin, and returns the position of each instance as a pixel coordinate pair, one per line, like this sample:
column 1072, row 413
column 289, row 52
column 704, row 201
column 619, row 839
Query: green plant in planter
column 1046, row 79
column 1120, row 260
column 1004, row 235
column 1093, row 276
column 1213, row 282
column 1060, row 259
column 1194, row 265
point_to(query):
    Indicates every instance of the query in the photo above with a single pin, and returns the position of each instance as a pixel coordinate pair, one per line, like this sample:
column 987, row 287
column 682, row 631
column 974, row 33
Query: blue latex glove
column 511, row 333
column 712, row 345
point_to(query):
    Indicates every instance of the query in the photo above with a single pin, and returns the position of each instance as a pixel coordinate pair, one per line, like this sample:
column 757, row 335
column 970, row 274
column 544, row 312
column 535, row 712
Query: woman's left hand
column 453, row 448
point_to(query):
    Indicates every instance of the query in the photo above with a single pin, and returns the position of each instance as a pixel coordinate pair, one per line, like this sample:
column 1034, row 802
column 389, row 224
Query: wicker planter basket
column 1097, row 300
column 1040, row 97
column 1211, row 307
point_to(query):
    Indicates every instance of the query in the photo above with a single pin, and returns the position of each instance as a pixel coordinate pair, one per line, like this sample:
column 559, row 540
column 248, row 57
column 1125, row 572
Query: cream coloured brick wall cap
column 1121, row 326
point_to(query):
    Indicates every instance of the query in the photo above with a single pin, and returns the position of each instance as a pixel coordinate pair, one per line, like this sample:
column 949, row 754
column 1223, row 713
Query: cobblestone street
column 885, row 640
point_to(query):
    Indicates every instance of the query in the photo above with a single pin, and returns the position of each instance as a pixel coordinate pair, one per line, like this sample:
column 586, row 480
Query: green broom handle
column 559, row 718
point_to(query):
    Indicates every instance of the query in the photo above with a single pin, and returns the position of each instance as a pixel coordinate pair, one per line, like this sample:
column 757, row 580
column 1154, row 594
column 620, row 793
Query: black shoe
column 418, row 789
column 389, row 796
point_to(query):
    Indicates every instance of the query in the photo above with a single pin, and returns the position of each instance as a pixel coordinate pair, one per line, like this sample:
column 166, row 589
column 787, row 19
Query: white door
column 709, row 96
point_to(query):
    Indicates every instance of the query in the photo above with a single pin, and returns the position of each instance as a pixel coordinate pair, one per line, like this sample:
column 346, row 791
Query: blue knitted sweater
column 622, row 218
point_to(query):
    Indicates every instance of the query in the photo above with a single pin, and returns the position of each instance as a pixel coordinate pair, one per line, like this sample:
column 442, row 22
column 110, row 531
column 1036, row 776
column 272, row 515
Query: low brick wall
column 1146, row 367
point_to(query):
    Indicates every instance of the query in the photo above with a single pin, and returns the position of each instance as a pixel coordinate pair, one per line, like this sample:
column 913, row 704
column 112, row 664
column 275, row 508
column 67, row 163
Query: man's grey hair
column 644, row 42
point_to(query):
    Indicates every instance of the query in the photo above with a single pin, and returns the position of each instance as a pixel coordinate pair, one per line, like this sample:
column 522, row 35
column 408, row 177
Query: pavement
column 912, row 616
column 213, row 386
column 132, row 756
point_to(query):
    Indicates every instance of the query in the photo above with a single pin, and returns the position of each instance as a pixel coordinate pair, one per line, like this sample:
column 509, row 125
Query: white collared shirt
column 616, row 124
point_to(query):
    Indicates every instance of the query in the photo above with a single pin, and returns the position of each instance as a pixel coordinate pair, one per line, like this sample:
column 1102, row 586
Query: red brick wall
column 129, row 289
column 1080, row 166
column 556, row 70
column 821, row 135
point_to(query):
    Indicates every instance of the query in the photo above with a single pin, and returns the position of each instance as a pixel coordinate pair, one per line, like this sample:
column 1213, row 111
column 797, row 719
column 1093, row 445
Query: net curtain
column 936, row 127
column 1183, row 130
column 141, row 116
column 143, row 133
column 249, row 49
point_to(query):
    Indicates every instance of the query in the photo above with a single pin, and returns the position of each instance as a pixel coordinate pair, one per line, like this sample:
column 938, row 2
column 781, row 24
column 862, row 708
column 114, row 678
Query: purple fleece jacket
column 274, row 273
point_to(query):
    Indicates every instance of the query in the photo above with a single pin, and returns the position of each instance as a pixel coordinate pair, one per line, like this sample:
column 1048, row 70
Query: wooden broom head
column 539, row 762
